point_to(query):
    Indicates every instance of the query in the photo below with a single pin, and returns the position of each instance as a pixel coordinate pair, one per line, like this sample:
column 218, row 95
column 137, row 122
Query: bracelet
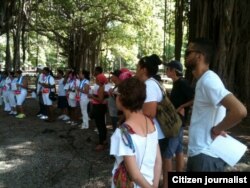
column 213, row 132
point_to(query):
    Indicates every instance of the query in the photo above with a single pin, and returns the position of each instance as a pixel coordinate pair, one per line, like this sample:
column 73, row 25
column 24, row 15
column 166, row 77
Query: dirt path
column 34, row 153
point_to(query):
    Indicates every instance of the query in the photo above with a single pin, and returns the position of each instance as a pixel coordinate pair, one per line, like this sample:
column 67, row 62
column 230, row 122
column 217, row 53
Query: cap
column 102, row 78
column 40, row 67
column 125, row 75
column 116, row 73
column 124, row 70
column 174, row 64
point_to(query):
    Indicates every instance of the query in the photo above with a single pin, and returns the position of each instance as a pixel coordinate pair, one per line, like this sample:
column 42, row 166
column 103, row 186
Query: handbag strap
column 126, row 131
column 162, row 90
column 146, row 142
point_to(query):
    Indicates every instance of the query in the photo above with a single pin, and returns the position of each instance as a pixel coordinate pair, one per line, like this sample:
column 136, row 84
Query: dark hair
column 151, row 63
column 86, row 74
column 5, row 73
column 46, row 69
column 206, row 47
column 157, row 77
column 60, row 72
column 19, row 72
column 98, row 69
column 132, row 93
column 74, row 73
column 12, row 73
column 51, row 73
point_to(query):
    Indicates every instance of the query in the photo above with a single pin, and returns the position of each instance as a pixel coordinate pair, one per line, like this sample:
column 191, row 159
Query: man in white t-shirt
column 215, row 109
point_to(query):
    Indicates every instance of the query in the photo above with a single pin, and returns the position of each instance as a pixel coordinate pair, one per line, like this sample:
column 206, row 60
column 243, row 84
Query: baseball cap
column 40, row 67
column 174, row 64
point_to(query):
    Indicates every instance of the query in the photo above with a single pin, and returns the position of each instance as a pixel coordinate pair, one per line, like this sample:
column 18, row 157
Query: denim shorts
column 171, row 146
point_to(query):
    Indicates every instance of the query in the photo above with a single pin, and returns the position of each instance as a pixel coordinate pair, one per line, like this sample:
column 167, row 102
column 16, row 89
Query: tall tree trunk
column 227, row 23
column 17, row 36
column 81, row 45
column 179, row 8
column 8, row 55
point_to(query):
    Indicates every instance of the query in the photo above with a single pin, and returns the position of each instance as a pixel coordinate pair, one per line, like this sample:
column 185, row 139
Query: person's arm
column 187, row 104
column 149, row 109
column 24, row 83
column 86, row 89
column 157, row 168
column 236, row 111
column 134, row 172
column 100, row 94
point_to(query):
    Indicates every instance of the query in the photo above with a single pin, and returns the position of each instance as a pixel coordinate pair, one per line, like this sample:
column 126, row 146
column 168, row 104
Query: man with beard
column 215, row 109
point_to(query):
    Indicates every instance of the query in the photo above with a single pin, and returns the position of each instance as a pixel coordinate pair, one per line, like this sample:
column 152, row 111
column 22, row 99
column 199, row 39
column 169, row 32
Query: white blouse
column 145, row 152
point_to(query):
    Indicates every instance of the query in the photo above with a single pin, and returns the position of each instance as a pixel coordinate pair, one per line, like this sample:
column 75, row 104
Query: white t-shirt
column 154, row 94
column 49, row 80
column 8, row 83
column 145, row 152
column 61, row 90
column 41, row 78
column 82, row 84
column 73, row 84
column 13, row 84
column 207, row 112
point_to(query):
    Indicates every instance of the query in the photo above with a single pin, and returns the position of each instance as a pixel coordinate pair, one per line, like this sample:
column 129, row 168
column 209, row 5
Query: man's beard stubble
column 191, row 64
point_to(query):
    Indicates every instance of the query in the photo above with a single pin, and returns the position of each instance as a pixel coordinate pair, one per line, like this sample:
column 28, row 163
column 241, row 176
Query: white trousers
column 84, row 109
column 46, row 99
column 6, row 101
column 12, row 98
column 21, row 97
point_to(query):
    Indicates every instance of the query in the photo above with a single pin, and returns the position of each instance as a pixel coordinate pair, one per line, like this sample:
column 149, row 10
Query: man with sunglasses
column 215, row 109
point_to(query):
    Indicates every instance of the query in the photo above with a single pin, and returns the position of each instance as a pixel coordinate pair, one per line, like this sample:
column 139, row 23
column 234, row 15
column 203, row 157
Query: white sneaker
column 14, row 112
column 83, row 127
column 44, row 117
column 39, row 115
column 61, row 116
column 11, row 112
column 66, row 118
column 69, row 122
column 73, row 123
column 6, row 109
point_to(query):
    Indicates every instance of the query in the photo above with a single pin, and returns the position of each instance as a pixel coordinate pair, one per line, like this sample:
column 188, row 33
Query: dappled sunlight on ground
column 10, row 165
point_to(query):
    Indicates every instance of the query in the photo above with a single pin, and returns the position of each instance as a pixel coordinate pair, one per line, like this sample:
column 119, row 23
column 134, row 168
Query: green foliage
column 126, row 29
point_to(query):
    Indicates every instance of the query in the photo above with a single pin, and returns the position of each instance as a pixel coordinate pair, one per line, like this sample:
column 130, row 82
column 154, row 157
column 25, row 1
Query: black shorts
column 62, row 102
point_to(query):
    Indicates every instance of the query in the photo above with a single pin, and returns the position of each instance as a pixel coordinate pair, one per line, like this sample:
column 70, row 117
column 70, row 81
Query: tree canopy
column 81, row 34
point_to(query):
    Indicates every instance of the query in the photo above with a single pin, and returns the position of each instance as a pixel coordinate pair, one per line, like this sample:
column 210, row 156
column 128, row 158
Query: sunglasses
column 188, row 52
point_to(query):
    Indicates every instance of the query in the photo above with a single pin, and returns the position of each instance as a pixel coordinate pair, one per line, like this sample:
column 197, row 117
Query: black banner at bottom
column 208, row 179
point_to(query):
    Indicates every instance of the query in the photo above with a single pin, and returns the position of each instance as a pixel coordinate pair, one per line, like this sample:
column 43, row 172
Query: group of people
column 73, row 89
column 13, row 92
column 138, row 141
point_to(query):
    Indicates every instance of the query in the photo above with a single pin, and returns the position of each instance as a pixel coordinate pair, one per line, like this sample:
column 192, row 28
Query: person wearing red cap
column 99, row 108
